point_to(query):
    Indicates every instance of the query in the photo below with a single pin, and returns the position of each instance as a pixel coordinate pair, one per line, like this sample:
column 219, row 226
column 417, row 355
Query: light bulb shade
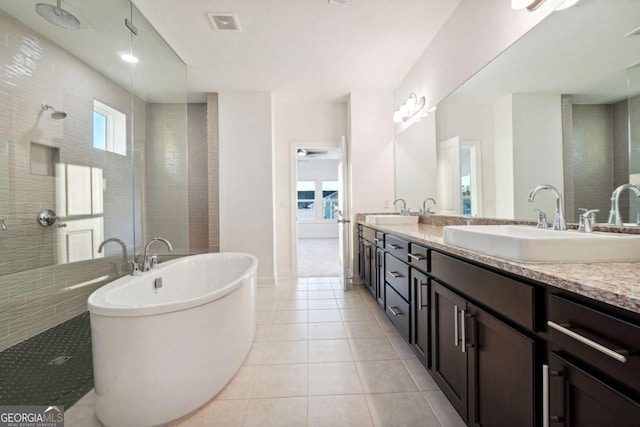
column 411, row 102
column 404, row 110
column 397, row 117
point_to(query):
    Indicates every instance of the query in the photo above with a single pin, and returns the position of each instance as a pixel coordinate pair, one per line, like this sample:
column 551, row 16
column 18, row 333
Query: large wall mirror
column 559, row 107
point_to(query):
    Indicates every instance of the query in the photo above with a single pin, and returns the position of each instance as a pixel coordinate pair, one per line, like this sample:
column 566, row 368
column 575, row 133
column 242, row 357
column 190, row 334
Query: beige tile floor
column 321, row 357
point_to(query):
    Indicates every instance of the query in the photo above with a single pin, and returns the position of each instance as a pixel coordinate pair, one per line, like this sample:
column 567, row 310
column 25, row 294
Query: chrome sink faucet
column 146, row 265
column 614, row 213
column 403, row 211
column 425, row 210
column 558, row 222
column 587, row 220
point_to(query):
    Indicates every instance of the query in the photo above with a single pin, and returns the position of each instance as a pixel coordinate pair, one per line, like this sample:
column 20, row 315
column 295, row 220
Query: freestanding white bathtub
column 159, row 354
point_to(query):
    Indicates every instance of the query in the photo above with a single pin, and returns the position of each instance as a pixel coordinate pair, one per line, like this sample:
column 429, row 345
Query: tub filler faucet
column 147, row 258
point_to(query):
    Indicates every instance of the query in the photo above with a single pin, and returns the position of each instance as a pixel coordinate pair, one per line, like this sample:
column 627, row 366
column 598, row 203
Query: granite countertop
column 615, row 283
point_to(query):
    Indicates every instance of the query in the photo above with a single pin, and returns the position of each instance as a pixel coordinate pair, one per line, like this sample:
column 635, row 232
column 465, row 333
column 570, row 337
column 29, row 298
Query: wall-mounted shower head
column 55, row 115
column 58, row 16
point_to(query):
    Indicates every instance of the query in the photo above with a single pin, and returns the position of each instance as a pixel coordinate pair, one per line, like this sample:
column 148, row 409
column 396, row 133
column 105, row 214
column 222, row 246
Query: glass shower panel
column 160, row 138
column 50, row 80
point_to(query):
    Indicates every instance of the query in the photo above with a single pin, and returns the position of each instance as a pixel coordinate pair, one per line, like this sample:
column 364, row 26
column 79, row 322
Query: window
column 306, row 199
column 109, row 129
column 317, row 199
column 329, row 198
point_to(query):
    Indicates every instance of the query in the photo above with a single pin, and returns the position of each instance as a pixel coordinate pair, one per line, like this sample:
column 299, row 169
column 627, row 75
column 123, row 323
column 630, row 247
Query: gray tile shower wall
column 214, row 176
column 198, row 178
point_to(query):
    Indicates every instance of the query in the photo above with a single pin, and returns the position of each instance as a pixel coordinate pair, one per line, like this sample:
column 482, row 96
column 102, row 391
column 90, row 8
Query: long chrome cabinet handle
column 545, row 395
column 416, row 257
column 463, row 330
column 419, row 293
column 394, row 274
column 392, row 246
column 618, row 355
column 394, row 312
column 455, row 325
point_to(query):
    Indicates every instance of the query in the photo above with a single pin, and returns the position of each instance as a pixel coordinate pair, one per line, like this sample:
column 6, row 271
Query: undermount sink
column 530, row 244
column 391, row 219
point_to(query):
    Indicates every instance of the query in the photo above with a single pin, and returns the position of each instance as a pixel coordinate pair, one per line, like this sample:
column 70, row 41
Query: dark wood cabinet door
column 361, row 258
column 420, row 317
column 501, row 372
column 368, row 265
column 380, row 288
column 579, row 399
column 449, row 364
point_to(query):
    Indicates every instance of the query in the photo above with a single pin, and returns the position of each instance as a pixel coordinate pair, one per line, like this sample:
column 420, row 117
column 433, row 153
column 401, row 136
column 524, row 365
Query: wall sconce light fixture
column 409, row 108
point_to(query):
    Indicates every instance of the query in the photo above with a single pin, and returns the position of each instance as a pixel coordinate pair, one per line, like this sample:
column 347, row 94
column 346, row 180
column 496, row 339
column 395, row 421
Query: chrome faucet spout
column 403, row 209
column 122, row 245
column 146, row 263
column 614, row 214
column 425, row 210
column 558, row 222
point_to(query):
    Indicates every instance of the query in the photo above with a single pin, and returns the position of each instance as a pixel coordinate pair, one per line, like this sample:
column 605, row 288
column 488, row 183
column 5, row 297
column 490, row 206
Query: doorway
column 317, row 191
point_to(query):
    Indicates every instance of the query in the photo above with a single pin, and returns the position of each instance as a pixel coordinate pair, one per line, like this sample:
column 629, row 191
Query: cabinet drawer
column 610, row 344
column 418, row 257
column 368, row 234
column 396, row 273
column 507, row 297
column 398, row 247
column 398, row 311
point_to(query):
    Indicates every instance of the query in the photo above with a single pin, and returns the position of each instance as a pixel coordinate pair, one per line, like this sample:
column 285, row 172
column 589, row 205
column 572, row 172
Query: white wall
column 472, row 122
column 317, row 170
column 503, row 130
column 476, row 32
column 416, row 164
column 537, row 152
column 246, row 178
column 371, row 151
column 298, row 122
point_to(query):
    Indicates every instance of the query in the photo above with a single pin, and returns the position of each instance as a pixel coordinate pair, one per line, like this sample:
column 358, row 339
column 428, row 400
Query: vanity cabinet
column 592, row 375
column 371, row 261
column 484, row 367
column 507, row 351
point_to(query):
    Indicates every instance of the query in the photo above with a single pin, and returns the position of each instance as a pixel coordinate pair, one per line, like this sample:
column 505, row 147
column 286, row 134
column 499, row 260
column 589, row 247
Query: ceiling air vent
column 224, row 21
column 342, row 2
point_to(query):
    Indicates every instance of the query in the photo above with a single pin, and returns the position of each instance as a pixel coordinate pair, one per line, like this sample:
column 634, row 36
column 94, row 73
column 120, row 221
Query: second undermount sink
column 391, row 219
column 530, row 244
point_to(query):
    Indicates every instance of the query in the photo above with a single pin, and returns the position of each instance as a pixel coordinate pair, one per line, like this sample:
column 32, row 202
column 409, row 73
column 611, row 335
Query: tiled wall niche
column 37, row 292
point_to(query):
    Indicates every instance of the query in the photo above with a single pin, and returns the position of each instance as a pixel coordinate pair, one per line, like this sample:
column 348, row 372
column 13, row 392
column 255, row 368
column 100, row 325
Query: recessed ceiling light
column 127, row 57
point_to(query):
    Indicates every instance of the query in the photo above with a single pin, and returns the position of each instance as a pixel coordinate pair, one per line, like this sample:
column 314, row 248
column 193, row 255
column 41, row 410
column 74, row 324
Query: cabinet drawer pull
column 419, row 293
column 619, row 355
column 394, row 312
column 392, row 246
column 547, row 418
column 394, row 274
column 456, row 340
column 416, row 257
column 375, row 239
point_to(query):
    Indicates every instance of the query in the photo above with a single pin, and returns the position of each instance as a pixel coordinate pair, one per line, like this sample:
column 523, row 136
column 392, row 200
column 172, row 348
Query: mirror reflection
column 555, row 108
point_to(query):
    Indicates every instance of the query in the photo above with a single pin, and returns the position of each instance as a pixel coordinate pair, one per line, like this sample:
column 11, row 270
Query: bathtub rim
column 97, row 305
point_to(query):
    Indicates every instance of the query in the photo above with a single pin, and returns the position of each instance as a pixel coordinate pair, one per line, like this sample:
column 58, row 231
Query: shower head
column 58, row 16
column 55, row 115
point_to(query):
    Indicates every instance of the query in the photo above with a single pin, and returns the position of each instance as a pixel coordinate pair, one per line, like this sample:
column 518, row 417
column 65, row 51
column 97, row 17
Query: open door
column 343, row 215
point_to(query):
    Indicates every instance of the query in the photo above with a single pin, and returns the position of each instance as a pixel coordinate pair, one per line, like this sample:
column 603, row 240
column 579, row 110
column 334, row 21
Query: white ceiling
column 302, row 49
